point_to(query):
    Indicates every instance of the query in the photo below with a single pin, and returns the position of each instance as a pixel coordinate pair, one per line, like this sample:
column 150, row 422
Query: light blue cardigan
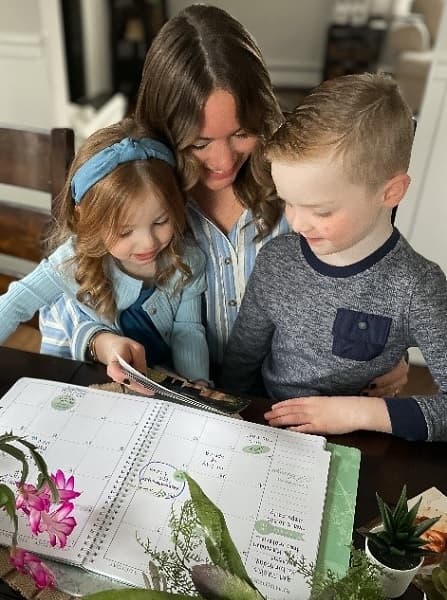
column 175, row 314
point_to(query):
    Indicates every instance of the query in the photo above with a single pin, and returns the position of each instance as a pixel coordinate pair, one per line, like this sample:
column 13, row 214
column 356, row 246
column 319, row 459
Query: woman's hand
column 330, row 414
column 108, row 345
column 391, row 383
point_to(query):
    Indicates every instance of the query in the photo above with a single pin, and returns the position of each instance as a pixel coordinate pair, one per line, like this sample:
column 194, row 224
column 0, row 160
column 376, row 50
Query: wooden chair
column 35, row 160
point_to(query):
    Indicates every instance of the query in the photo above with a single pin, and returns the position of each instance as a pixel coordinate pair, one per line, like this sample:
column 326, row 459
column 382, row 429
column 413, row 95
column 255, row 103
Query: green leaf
column 221, row 549
column 8, row 502
column 424, row 525
column 411, row 516
column 20, row 456
column 401, row 506
column 214, row 583
column 44, row 476
column 134, row 594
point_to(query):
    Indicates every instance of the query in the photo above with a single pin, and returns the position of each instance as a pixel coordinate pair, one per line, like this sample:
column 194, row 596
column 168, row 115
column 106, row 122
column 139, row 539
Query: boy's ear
column 395, row 189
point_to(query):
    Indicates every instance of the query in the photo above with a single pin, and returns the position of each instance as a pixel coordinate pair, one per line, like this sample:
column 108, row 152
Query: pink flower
column 29, row 563
column 18, row 558
column 64, row 486
column 30, row 498
column 57, row 524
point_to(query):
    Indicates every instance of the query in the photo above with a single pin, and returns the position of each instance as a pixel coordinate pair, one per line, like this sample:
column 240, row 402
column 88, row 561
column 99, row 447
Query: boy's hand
column 108, row 345
column 330, row 414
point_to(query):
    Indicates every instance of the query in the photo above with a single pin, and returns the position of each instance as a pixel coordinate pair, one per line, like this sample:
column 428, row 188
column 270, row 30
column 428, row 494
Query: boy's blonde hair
column 98, row 219
column 362, row 118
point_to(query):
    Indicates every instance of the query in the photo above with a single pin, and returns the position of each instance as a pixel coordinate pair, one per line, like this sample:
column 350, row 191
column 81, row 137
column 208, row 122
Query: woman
column 205, row 90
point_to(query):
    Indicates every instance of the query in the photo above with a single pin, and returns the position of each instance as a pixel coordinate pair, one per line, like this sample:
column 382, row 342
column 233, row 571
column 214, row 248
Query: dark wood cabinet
column 353, row 48
column 133, row 25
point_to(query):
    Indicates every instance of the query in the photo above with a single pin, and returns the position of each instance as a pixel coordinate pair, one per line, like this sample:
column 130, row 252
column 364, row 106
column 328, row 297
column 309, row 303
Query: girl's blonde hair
column 196, row 52
column 97, row 220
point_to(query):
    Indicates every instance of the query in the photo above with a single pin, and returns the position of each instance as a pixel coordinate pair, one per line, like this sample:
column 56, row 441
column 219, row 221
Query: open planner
column 125, row 453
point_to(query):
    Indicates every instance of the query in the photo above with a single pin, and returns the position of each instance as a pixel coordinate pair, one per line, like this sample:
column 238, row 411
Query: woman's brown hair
column 200, row 50
column 97, row 220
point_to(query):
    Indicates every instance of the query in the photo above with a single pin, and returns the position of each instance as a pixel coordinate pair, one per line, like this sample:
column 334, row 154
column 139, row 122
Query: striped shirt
column 230, row 259
column 229, row 262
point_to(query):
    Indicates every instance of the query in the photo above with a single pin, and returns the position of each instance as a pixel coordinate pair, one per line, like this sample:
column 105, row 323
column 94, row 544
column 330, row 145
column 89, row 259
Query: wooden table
column 387, row 462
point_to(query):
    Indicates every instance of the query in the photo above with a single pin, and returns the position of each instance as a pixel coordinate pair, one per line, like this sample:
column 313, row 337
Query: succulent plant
column 398, row 544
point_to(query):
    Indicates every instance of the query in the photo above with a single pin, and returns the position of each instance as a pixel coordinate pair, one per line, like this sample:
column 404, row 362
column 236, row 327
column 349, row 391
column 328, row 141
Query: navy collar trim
column 349, row 270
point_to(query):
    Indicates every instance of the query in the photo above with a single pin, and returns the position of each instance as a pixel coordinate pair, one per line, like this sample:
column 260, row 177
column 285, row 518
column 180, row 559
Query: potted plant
column 397, row 545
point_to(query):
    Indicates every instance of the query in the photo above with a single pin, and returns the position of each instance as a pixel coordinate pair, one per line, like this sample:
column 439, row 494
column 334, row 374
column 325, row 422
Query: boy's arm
column 330, row 414
column 414, row 418
column 428, row 328
column 250, row 340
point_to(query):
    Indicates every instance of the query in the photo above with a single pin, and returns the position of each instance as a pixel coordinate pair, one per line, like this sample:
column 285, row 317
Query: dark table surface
column 387, row 463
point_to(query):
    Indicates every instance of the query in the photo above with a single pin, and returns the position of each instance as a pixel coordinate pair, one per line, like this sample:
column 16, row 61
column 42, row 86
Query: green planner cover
column 338, row 519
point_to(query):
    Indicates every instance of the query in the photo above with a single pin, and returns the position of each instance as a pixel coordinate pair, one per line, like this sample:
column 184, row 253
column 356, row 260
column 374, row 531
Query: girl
column 206, row 90
column 121, row 254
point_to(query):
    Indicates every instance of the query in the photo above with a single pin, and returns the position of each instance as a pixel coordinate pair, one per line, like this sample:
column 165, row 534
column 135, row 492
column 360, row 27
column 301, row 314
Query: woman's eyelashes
column 163, row 221
column 201, row 145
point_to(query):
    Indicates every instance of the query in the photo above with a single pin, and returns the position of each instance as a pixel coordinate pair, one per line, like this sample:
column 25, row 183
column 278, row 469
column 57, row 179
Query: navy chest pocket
column 359, row 335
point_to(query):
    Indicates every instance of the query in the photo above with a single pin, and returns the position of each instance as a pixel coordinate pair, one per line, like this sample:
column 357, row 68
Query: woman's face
column 221, row 145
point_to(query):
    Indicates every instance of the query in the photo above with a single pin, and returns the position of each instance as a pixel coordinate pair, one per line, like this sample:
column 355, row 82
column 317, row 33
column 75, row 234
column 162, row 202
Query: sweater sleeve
column 39, row 288
column 428, row 330
column 250, row 339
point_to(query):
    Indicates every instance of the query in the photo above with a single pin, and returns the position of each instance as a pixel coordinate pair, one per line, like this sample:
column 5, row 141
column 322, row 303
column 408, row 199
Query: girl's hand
column 391, row 383
column 108, row 345
column 330, row 414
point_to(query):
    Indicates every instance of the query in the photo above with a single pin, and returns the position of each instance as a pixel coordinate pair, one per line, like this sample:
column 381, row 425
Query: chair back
column 35, row 160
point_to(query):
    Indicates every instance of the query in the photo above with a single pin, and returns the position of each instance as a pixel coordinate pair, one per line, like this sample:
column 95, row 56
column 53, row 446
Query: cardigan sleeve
column 39, row 288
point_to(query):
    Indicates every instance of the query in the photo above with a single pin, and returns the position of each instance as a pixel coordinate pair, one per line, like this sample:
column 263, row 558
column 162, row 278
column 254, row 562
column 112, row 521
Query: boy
column 336, row 303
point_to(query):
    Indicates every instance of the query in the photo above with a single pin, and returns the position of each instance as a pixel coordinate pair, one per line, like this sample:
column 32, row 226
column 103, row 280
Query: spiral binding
column 125, row 479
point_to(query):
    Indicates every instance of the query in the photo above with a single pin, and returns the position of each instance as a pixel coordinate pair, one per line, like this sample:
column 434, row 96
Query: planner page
column 269, row 483
column 85, row 432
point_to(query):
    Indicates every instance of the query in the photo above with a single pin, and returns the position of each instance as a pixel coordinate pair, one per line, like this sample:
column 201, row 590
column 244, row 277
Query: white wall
column 32, row 69
column 422, row 217
column 290, row 33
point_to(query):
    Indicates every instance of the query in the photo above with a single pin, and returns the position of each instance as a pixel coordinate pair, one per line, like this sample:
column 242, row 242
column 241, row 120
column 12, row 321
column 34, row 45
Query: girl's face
column 147, row 231
column 221, row 145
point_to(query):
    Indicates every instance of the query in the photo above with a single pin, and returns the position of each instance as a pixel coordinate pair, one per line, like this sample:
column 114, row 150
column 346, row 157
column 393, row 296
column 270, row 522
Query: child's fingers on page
column 115, row 372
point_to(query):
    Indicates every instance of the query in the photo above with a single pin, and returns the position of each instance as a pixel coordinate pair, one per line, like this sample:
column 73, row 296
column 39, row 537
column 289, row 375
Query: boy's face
column 323, row 206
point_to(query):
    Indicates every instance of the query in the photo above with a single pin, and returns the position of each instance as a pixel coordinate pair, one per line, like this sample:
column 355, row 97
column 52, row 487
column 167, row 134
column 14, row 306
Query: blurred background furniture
column 412, row 37
column 34, row 160
column 353, row 48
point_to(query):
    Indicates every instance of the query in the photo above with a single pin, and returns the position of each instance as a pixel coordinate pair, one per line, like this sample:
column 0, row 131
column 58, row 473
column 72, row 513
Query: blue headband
column 105, row 161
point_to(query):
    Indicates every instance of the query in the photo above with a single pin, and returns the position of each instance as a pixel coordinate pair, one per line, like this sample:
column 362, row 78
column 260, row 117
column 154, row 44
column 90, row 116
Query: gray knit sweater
column 316, row 329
